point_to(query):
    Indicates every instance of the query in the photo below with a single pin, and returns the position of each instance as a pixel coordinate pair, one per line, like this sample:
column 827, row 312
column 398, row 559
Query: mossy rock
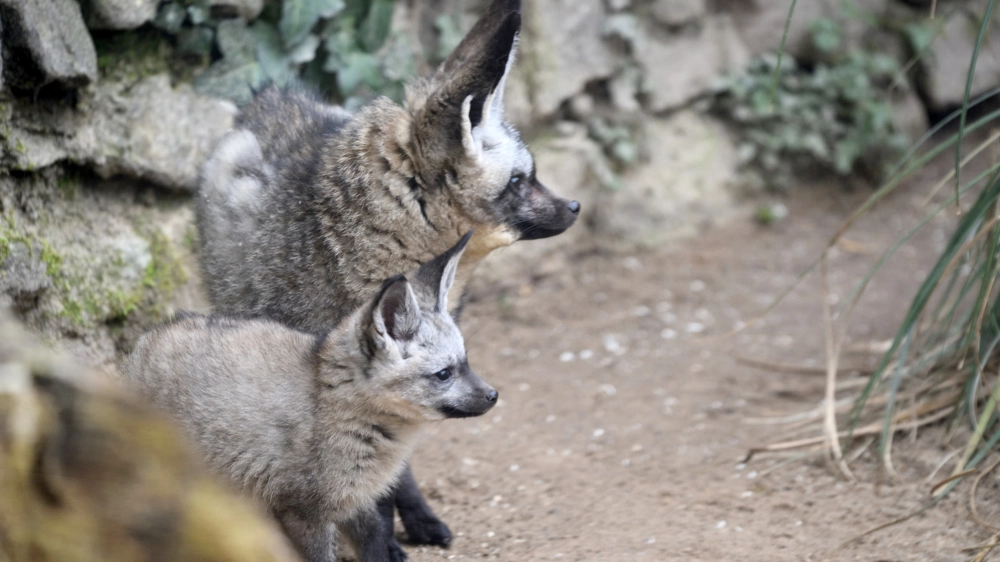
column 89, row 474
column 79, row 257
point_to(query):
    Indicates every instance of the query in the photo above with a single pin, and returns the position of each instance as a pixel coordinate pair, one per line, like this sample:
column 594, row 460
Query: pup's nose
column 491, row 396
column 574, row 207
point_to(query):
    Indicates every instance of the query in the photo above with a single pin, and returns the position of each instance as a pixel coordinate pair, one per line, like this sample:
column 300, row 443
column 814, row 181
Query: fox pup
column 304, row 208
column 317, row 427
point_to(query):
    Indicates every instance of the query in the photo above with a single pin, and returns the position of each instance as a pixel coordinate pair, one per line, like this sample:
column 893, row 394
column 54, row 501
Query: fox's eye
column 443, row 374
column 515, row 181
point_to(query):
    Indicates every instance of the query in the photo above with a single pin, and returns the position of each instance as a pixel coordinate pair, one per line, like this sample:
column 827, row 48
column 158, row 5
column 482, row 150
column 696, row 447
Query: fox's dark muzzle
column 476, row 402
column 545, row 214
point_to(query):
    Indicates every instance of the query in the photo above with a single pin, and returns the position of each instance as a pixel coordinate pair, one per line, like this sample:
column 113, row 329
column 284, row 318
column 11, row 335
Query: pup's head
column 417, row 354
column 463, row 143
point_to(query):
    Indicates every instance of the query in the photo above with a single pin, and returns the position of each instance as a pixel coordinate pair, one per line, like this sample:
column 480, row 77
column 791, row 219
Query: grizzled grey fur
column 305, row 208
column 317, row 427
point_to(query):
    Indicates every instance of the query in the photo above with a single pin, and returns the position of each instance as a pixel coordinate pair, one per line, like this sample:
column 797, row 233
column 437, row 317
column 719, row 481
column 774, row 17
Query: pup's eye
column 515, row 180
column 443, row 374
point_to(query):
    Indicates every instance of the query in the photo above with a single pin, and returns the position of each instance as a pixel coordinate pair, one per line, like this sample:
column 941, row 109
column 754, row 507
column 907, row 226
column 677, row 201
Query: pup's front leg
column 422, row 526
column 315, row 541
column 371, row 540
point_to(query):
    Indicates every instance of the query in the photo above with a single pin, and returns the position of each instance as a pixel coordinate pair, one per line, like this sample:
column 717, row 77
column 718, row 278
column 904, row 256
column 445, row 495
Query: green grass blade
column 916, row 166
column 781, row 52
column 983, row 26
column 923, row 222
column 966, row 227
column 890, row 405
column 990, row 266
column 937, row 128
column 981, row 425
column 886, row 188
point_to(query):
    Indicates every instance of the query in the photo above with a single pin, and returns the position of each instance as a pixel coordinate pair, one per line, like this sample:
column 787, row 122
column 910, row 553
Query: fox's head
column 463, row 145
column 415, row 362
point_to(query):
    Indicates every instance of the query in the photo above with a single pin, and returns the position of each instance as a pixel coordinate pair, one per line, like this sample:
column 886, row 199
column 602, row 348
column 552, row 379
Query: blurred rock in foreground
column 88, row 474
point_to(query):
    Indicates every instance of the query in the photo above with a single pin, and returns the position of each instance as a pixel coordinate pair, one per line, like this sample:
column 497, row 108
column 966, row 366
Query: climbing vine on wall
column 347, row 49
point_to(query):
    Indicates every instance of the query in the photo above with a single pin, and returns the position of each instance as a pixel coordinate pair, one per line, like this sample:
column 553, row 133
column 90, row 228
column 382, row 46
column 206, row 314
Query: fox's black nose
column 491, row 396
column 574, row 207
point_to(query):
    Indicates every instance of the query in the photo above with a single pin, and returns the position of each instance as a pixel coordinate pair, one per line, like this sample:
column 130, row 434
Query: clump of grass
column 835, row 115
column 943, row 364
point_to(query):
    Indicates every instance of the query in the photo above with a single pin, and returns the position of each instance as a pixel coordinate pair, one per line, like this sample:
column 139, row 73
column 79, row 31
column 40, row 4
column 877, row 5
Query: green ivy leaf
column 359, row 68
column 237, row 73
column 195, row 41
column 340, row 40
column 271, row 55
column 305, row 51
column 826, row 35
column 298, row 17
column 920, row 34
column 375, row 28
column 625, row 151
column 845, row 153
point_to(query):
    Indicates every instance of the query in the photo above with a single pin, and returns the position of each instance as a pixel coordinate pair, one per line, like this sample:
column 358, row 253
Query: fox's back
column 291, row 127
column 243, row 386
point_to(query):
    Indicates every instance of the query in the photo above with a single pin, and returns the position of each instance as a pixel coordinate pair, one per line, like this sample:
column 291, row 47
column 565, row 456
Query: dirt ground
column 624, row 414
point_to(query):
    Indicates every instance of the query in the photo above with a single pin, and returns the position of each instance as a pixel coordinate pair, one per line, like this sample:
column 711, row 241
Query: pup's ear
column 438, row 275
column 469, row 83
column 396, row 316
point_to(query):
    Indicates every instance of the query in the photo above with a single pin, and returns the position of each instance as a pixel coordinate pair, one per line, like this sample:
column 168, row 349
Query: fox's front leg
column 371, row 540
column 316, row 541
column 422, row 526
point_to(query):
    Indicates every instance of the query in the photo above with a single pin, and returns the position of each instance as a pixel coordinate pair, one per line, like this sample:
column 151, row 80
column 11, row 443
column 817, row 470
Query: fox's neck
column 360, row 447
column 415, row 221
column 484, row 240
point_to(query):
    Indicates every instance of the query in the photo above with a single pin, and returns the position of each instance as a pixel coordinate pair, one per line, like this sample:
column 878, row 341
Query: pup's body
column 304, row 208
column 317, row 428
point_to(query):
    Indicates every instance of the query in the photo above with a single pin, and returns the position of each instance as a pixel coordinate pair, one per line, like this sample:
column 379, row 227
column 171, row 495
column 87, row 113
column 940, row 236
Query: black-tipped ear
column 438, row 275
column 397, row 313
column 477, row 66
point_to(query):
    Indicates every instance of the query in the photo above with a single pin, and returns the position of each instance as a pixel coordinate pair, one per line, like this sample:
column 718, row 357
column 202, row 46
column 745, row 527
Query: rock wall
column 100, row 146
column 88, row 474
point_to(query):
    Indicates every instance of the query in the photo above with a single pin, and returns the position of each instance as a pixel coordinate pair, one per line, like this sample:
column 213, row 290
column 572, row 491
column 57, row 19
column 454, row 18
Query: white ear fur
column 405, row 311
column 496, row 97
column 469, row 142
column 448, row 279
column 492, row 110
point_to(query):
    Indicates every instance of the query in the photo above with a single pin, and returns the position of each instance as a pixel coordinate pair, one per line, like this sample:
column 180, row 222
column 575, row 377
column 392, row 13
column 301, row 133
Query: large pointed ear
column 469, row 83
column 396, row 315
column 438, row 275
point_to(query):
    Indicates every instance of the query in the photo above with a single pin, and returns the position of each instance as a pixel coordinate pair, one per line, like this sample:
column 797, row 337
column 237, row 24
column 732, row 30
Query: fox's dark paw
column 396, row 552
column 425, row 529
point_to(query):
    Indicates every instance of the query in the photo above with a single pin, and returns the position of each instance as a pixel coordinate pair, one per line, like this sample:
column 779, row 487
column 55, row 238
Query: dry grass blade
column 940, row 485
column 797, row 369
column 806, row 416
column 951, row 173
column 942, row 408
column 972, row 498
column 940, row 465
column 892, row 523
column 985, row 549
column 874, row 347
column 832, row 356
column 977, row 436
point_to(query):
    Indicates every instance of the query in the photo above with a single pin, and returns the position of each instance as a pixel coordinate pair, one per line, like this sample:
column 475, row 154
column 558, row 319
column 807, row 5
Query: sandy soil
column 625, row 415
